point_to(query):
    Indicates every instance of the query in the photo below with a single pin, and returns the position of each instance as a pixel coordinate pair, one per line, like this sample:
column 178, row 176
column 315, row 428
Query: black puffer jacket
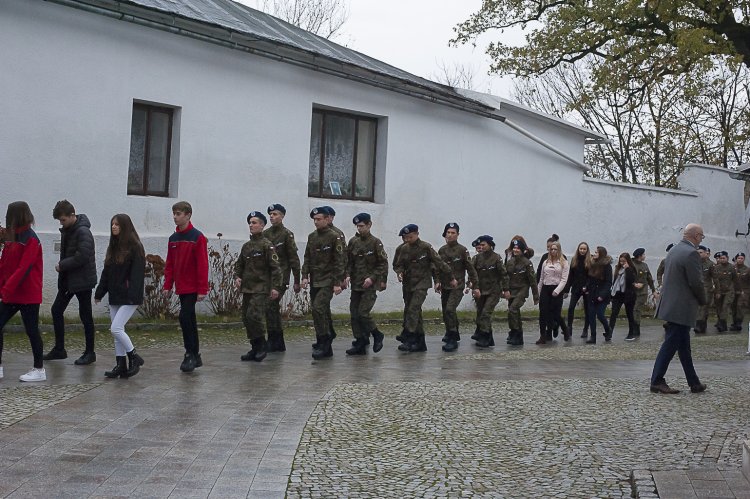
column 123, row 281
column 77, row 257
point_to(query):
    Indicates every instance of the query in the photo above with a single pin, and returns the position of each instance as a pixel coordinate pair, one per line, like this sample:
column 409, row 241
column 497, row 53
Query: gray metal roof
column 241, row 27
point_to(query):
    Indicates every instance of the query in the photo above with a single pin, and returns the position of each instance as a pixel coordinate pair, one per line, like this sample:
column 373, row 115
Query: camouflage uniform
column 324, row 264
column 458, row 259
column 521, row 277
column 724, row 278
column 642, row 276
column 366, row 258
column 286, row 248
column 741, row 295
column 492, row 282
column 708, row 286
column 258, row 268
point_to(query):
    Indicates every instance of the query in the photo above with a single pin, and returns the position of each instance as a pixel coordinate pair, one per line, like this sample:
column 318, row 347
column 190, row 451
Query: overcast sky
column 413, row 35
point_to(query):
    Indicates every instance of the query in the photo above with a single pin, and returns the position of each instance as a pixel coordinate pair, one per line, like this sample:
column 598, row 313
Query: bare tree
column 456, row 75
column 700, row 117
column 321, row 17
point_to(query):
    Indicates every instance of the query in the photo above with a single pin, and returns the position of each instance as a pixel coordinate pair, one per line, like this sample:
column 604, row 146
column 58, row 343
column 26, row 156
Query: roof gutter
column 235, row 41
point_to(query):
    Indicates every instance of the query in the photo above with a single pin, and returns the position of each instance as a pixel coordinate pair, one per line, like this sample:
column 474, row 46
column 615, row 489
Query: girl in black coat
column 598, row 289
column 623, row 293
column 122, row 278
column 577, row 278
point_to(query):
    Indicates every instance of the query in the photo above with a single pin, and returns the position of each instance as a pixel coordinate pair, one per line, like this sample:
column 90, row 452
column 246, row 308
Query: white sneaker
column 1, row 372
column 34, row 375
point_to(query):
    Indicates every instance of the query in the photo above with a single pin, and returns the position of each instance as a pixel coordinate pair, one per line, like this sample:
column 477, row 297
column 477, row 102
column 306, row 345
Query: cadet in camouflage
column 521, row 277
column 724, row 278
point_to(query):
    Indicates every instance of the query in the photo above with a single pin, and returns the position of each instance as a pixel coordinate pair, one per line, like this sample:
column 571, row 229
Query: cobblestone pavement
column 553, row 421
column 20, row 402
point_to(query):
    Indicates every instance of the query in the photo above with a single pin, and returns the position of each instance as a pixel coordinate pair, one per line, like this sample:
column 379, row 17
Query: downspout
column 546, row 144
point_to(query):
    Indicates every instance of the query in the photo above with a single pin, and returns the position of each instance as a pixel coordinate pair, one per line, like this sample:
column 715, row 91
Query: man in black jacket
column 76, row 277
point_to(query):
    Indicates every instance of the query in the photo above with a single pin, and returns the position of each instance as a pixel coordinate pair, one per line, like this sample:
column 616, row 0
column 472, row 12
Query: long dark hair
column 618, row 267
column 18, row 215
column 597, row 266
column 121, row 245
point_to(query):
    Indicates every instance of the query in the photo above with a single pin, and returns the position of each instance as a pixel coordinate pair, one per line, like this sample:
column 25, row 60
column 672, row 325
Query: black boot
column 324, row 349
column 607, row 334
column 637, row 331
column 280, row 343
column 491, row 338
column 565, row 331
column 736, row 326
column 483, row 340
column 135, row 362
column 700, row 327
column 358, row 348
column 401, row 337
column 418, row 345
column 407, row 339
column 516, row 337
column 259, row 349
column 452, row 344
column 475, row 336
column 721, row 326
column 120, row 369
column 377, row 340
column 591, row 340
column 509, row 339
column 446, row 337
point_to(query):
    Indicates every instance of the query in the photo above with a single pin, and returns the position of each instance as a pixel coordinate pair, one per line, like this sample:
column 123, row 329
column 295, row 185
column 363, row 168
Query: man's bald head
column 693, row 233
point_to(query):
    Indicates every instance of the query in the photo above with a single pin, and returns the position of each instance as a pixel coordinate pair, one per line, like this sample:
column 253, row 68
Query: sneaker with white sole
column 34, row 375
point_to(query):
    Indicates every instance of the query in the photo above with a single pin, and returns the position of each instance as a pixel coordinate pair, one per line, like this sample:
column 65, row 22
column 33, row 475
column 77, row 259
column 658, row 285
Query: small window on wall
column 342, row 156
column 150, row 150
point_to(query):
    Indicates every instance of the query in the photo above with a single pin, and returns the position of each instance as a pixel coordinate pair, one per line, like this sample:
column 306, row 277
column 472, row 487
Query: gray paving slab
column 553, row 421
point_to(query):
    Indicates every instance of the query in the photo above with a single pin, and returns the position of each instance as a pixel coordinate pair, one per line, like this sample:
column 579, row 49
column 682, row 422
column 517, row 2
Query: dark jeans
column 84, row 312
column 575, row 295
column 30, row 318
column 676, row 339
column 188, row 322
column 596, row 311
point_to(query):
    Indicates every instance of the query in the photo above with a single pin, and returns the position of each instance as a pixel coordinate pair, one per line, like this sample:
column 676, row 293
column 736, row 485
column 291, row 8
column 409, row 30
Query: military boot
column 418, row 345
column 377, row 340
column 475, row 336
column 447, row 337
column 491, row 338
column 516, row 337
column 700, row 327
column 452, row 344
column 483, row 340
column 736, row 326
column 259, row 347
column 324, row 349
column 135, row 362
column 721, row 326
column 359, row 347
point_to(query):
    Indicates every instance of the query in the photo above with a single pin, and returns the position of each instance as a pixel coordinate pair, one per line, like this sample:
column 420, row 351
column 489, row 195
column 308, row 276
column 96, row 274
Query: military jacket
column 708, row 282
column 743, row 279
column 366, row 257
column 283, row 241
column 492, row 276
column 342, row 236
column 415, row 262
column 324, row 258
column 258, row 266
column 521, row 275
column 458, row 259
column 660, row 272
column 643, row 276
column 724, row 278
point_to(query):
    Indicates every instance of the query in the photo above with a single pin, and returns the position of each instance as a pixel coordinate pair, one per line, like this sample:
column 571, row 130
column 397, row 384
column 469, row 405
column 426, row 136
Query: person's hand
column 201, row 297
column 305, row 283
column 638, row 285
column 438, row 287
column 400, row 277
column 237, row 282
column 599, row 299
column 476, row 293
column 368, row 282
column 345, row 283
column 274, row 294
column 565, row 295
column 337, row 290
column 454, row 282
column 555, row 293
column 382, row 286
column 506, row 295
column 97, row 301
column 166, row 293
column 296, row 287
column 536, row 301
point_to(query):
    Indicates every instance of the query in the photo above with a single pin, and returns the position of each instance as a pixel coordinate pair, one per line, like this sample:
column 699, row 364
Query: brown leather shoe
column 663, row 388
column 700, row 387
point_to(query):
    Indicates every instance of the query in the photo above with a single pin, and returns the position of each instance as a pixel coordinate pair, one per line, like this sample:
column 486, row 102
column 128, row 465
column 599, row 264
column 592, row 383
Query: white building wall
column 244, row 136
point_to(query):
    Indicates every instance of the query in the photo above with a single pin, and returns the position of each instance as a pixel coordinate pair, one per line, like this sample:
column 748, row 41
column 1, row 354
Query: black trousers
column 575, row 295
column 62, row 300
column 550, row 309
column 30, row 318
column 617, row 302
column 189, row 323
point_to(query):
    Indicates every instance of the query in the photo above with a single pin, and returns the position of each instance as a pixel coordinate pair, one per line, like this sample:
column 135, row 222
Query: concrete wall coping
column 641, row 187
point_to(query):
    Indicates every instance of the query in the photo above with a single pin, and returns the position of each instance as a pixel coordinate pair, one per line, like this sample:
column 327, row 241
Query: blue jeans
column 676, row 339
column 596, row 311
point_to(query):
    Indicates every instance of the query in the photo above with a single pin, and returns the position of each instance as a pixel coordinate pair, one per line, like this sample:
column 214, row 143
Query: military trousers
column 254, row 306
column 515, row 302
column 273, row 312
column 413, row 301
column 738, row 308
column 450, row 299
column 321, row 309
column 641, row 297
column 485, row 307
column 723, row 304
column 704, row 310
column 360, row 307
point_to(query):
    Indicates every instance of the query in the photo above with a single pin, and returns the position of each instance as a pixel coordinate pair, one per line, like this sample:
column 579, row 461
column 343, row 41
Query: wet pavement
column 542, row 421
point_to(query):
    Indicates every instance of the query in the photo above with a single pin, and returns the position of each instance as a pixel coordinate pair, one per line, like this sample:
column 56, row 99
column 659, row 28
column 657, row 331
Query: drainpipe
column 546, row 144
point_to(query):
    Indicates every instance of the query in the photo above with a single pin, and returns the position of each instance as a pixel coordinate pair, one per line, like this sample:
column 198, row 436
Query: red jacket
column 186, row 267
column 21, row 269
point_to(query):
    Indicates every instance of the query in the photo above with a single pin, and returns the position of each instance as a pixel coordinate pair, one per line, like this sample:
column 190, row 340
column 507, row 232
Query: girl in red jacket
column 21, row 282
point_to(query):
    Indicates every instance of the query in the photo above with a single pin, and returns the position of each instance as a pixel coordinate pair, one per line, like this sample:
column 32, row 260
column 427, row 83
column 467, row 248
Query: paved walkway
column 553, row 421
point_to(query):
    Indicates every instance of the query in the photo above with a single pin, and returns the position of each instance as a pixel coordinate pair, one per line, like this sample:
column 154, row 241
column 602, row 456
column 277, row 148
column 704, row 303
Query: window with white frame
column 342, row 155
